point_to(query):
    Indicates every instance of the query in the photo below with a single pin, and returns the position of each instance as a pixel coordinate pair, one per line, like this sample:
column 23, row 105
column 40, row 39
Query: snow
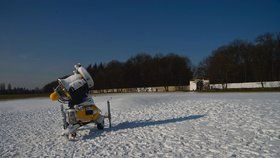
column 149, row 125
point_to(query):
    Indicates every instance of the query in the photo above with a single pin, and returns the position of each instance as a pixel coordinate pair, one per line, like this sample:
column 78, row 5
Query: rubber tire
column 73, row 135
column 65, row 125
column 100, row 126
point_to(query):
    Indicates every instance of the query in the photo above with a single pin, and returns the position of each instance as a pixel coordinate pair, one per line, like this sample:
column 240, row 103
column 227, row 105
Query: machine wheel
column 65, row 125
column 100, row 126
column 73, row 135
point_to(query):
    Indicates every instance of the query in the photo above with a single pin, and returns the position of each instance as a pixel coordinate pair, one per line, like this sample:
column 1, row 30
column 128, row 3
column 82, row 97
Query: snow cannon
column 78, row 107
column 74, row 88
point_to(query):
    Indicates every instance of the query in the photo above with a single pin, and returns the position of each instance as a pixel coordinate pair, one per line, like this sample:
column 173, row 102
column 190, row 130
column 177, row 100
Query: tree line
column 142, row 70
column 8, row 89
column 243, row 61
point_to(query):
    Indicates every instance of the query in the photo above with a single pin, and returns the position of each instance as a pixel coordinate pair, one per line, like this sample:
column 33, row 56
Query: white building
column 194, row 84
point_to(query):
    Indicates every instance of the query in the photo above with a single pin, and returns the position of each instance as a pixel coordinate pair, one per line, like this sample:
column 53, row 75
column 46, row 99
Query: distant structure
column 199, row 84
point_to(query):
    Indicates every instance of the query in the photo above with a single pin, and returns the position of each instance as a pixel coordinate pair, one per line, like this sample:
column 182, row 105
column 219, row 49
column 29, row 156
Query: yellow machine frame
column 81, row 115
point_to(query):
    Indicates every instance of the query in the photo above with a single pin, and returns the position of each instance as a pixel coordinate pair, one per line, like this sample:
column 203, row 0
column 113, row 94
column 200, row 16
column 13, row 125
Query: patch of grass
column 21, row 96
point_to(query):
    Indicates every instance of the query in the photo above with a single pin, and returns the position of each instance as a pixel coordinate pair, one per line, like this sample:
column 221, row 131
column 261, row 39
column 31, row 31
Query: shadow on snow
column 137, row 124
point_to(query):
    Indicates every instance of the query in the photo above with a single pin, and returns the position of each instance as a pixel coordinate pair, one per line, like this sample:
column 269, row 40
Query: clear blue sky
column 41, row 40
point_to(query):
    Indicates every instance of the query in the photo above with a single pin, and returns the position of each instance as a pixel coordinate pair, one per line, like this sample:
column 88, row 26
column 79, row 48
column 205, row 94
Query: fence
column 143, row 89
column 272, row 84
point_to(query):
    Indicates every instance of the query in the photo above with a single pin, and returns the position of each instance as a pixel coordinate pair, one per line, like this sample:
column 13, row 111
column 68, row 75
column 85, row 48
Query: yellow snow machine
column 78, row 107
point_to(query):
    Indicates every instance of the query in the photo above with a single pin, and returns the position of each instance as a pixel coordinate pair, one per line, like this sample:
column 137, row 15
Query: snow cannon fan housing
column 75, row 87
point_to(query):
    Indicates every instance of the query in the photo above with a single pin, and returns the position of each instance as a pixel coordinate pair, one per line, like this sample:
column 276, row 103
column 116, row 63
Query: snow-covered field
column 149, row 125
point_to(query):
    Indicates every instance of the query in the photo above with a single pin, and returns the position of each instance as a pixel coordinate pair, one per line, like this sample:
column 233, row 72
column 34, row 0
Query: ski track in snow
column 149, row 125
